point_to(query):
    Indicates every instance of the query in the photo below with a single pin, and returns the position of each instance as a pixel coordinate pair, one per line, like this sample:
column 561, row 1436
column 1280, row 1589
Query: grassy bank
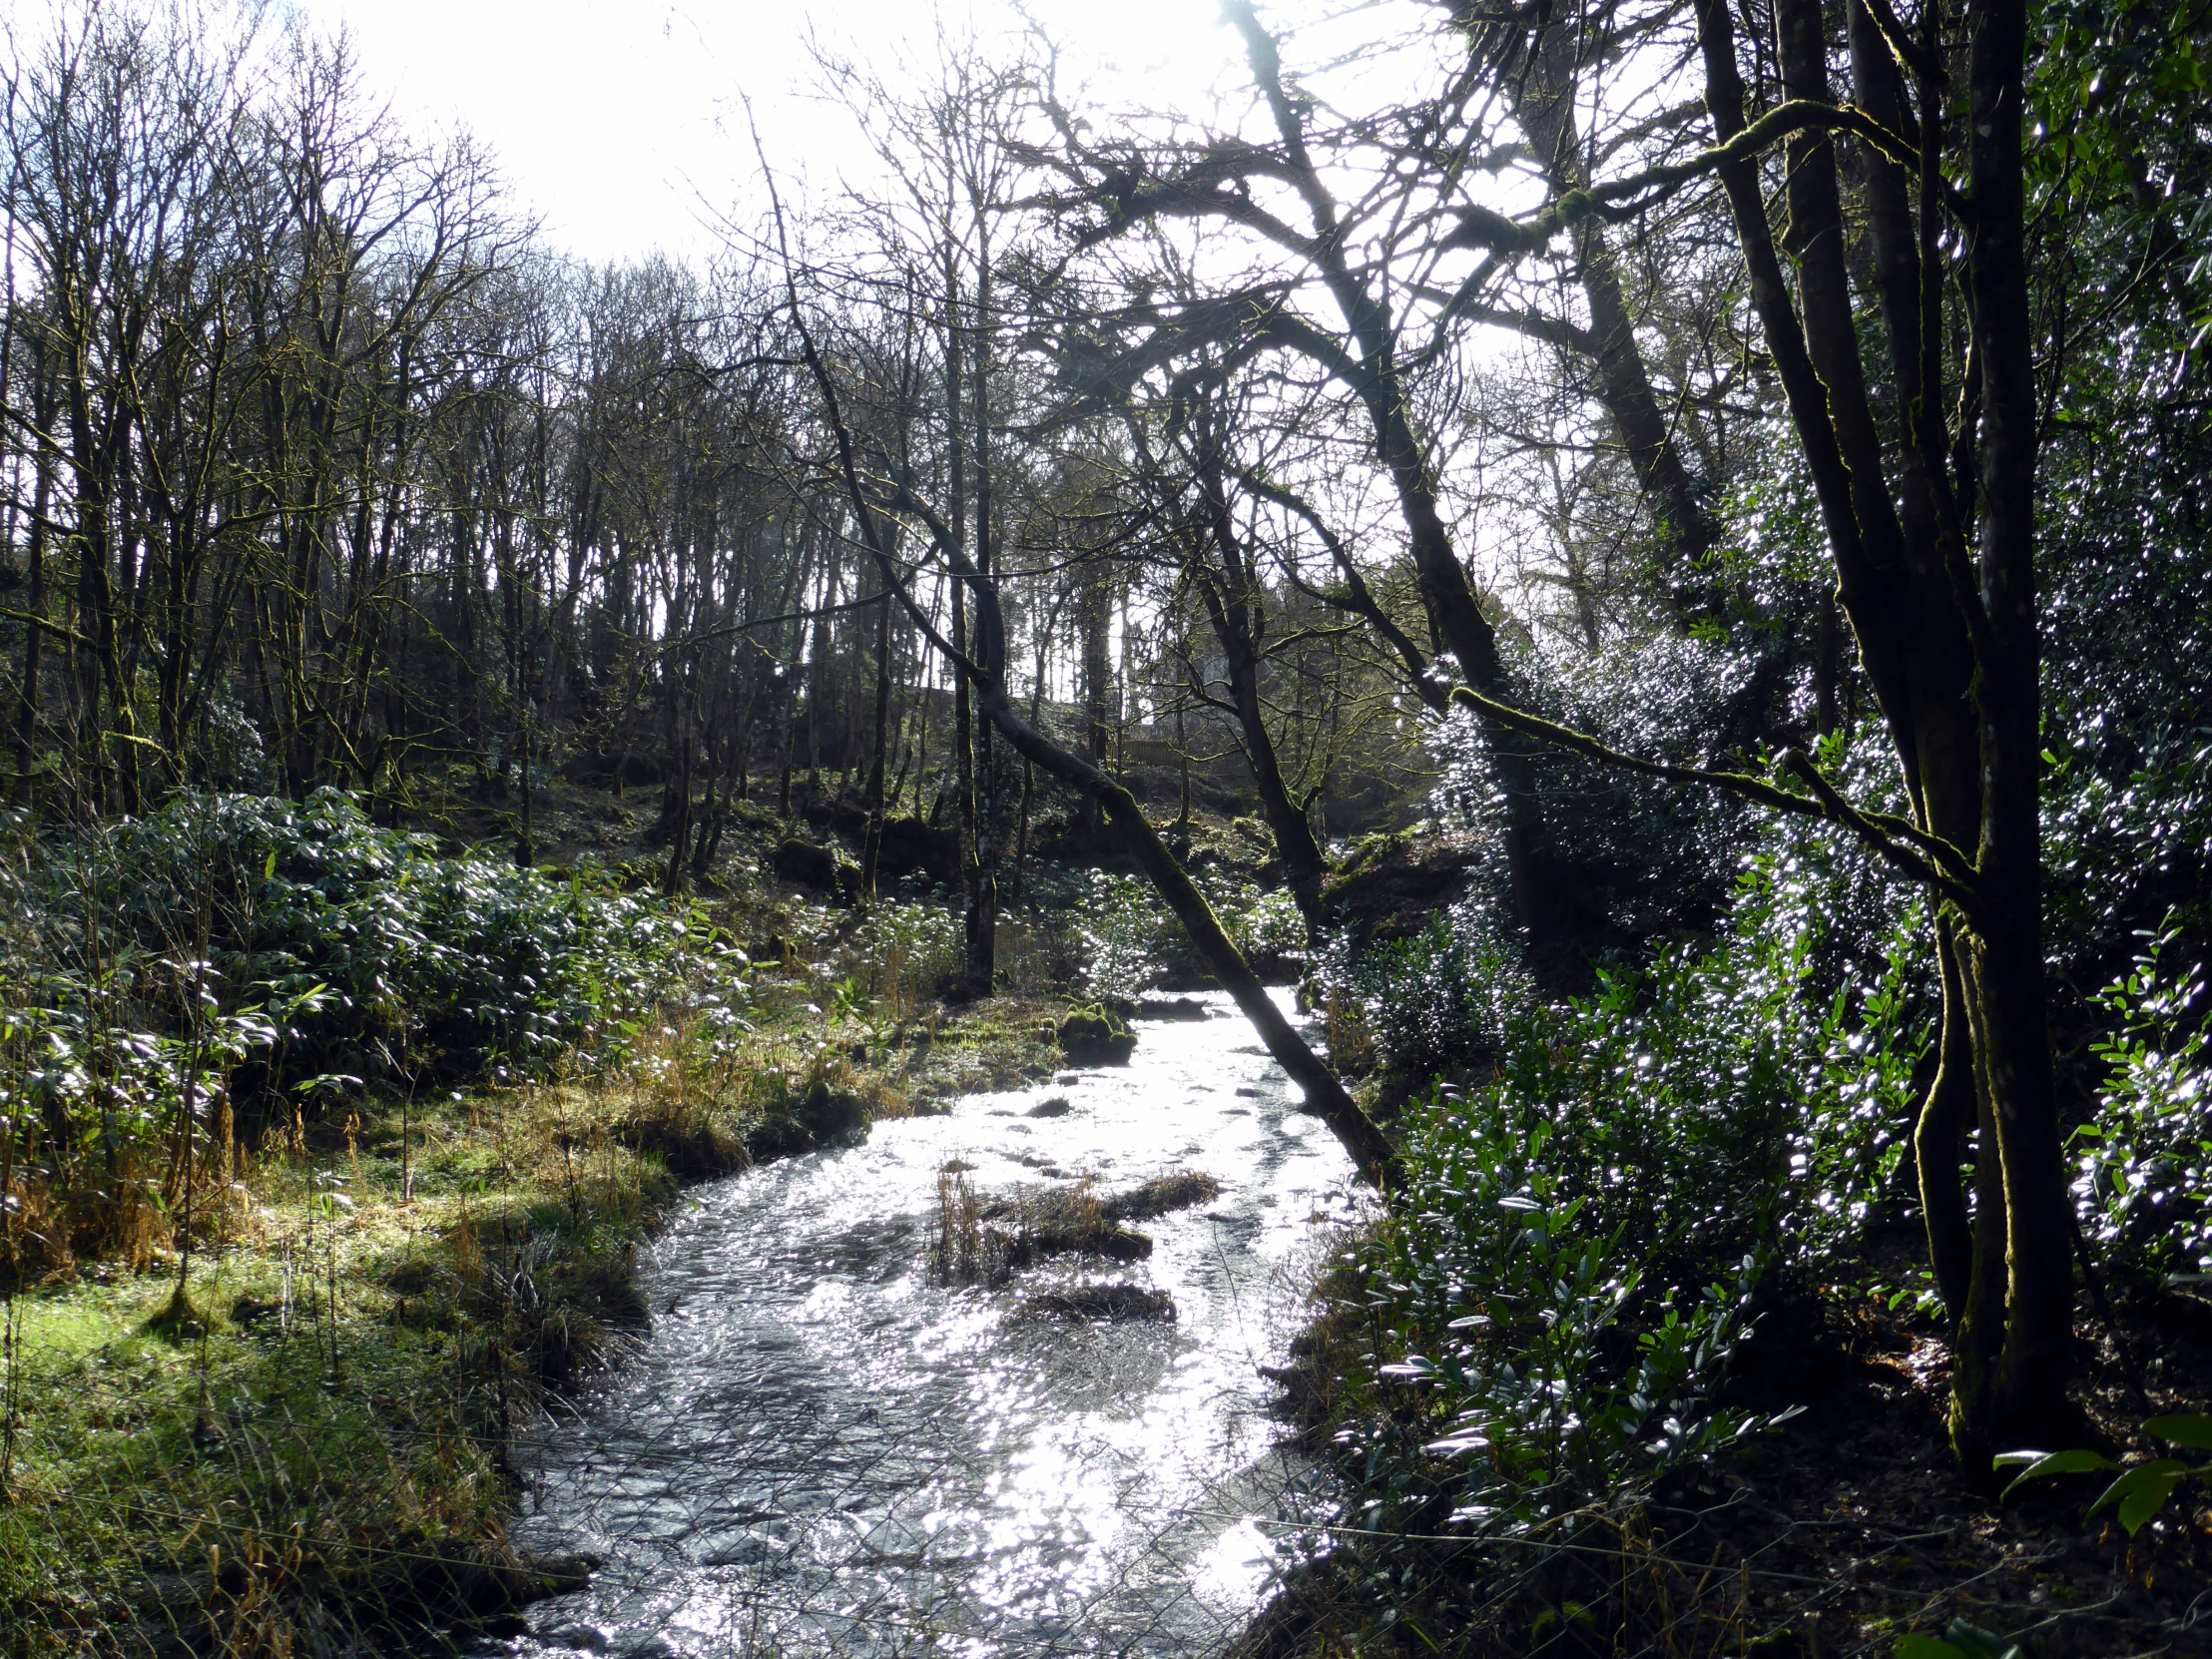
column 304, row 1428
column 292, row 1256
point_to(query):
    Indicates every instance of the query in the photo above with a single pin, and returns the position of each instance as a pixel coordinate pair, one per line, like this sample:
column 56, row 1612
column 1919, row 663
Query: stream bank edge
column 383, row 1353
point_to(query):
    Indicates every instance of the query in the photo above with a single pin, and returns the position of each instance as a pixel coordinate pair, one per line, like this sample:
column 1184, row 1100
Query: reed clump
column 1161, row 1196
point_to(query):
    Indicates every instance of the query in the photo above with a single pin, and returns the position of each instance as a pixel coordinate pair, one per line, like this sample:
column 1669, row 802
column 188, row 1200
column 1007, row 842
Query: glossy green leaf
column 2142, row 1492
column 2189, row 1430
column 2039, row 1465
column 1974, row 1642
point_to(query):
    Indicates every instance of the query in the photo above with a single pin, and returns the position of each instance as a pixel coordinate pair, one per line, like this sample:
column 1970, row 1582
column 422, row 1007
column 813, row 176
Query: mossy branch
column 1928, row 860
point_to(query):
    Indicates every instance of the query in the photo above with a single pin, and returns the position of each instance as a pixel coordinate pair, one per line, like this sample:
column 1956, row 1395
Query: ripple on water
column 826, row 1451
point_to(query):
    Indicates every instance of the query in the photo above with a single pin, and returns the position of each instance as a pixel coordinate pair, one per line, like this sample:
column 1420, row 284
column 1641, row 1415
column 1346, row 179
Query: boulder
column 803, row 863
column 910, row 846
column 1093, row 1038
column 1171, row 1008
column 1388, row 886
column 826, row 1113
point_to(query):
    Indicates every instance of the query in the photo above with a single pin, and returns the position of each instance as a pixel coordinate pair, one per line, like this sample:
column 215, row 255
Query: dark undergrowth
column 1643, row 1357
column 1846, row 1529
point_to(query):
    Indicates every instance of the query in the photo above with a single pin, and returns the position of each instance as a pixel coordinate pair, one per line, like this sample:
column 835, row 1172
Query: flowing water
column 820, row 1450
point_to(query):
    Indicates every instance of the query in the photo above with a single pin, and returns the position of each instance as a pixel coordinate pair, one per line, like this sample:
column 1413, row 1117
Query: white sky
column 620, row 121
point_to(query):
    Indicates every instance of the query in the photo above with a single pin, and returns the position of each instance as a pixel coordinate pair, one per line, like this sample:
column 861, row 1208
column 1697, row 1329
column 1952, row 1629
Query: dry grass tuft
column 984, row 1242
column 1114, row 1302
column 1054, row 1221
column 1161, row 1196
column 959, row 1251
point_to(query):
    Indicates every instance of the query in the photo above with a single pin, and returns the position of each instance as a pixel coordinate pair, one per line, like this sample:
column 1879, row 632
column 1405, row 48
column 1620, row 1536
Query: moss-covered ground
column 297, row 1436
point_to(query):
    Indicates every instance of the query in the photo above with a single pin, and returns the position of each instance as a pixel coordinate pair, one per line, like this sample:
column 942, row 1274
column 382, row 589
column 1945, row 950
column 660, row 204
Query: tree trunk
column 1232, row 610
column 872, row 850
column 1325, row 1096
column 34, row 636
column 1540, row 85
column 679, row 835
column 526, row 852
column 1094, row 611
column 2026, row 1391
column 1455, row 609
column 1950, row 651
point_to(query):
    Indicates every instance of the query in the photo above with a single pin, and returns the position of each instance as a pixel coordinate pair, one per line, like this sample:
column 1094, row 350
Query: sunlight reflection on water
column 822, row 1451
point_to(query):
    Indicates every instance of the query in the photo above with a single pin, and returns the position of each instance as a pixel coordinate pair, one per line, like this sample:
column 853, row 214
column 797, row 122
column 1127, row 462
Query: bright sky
column 620, row 121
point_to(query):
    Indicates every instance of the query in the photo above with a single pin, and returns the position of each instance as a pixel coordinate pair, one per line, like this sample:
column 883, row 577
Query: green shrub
column 1264, row 926
column 909, row 950
column 2144, row 1160
column 1127, row 936
column 1580, row 1240
column 1445, row 994
column 467, row 955
column 240, row 945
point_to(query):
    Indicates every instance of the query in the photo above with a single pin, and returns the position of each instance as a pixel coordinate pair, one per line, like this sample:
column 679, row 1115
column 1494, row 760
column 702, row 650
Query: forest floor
column 1844, row 1531
column 1855, row 1525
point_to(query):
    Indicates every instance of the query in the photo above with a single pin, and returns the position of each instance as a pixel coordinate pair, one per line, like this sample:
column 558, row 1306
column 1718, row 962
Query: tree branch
column 1621, row 198
column 1928, row 860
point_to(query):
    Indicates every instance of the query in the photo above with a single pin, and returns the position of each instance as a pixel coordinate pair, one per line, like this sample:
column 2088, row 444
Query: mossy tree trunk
column 1933, row 555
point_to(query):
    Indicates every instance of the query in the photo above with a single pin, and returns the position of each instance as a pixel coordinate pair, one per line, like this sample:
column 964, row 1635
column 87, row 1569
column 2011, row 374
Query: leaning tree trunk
column 984, row 668
column 1325, row 1095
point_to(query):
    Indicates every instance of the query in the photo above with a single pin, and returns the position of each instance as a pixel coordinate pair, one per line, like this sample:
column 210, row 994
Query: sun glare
column 623, row 126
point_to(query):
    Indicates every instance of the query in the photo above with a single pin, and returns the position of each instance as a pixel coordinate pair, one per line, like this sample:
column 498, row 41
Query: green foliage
column 467, row 953
column 1127, row 936
column 99, row 1090
column 1959, row 1640
column 1262, row 924
column 1796, row 1034
column 233, row 945
column 1552, row 1360
column 899, row 951
column 2117, row 87
column 2138, row 1493
column 2145, row 1158
column 1448, row 992
column 1582, row 1237
column 902, row 951
column 2120, row 158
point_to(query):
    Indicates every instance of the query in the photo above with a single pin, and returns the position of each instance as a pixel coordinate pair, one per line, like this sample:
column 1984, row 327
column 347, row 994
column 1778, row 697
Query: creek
column 822, row 1450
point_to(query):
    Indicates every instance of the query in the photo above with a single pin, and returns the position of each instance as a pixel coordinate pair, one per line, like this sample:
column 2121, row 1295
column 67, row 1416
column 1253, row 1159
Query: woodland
column 1651, row 555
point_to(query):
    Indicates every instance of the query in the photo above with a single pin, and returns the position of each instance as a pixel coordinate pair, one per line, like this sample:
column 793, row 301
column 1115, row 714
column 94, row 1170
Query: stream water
column 820, row 1450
